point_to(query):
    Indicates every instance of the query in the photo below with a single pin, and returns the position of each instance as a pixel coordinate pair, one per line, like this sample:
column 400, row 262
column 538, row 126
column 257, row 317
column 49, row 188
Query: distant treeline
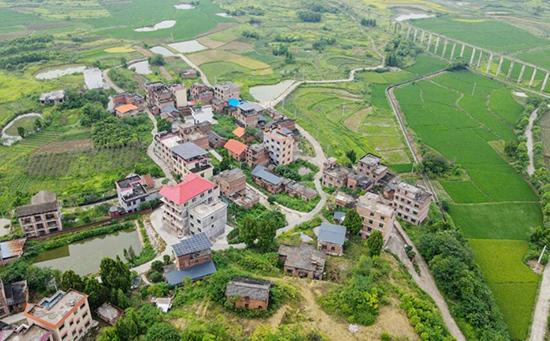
column 17, row 53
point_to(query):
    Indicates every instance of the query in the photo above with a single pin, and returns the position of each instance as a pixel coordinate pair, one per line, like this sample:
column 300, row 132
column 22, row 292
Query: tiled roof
column 304, row 257
column 196, row 243
column 262, row 173
column 332, row 233
column 41, row 202
column 247, row 287
column 188, row 151
column 191, row 186
column 235, row 147
column 239, row 132
column 125, row 108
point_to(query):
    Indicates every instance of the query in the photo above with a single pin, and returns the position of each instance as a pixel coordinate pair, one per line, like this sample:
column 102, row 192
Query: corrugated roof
column 12, row 248
column 188, row 151
column 332, row 233
column 262, row 173
column 196, row 243
column 194, row 273
column 191, row 186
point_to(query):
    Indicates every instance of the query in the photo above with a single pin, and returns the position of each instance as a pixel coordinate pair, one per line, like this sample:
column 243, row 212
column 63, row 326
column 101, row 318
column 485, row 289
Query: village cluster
column 195, row 201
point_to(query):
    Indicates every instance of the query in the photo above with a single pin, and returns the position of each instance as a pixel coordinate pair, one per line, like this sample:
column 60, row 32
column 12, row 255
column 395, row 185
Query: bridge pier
column 479, row 59
column 544, row 82
column 409, row 32
column 429, row 41
column 415, row 34
column 500, row 65
column 472, row 57
column 512, row 64
column 444, row 48
column 462, row 50
column 533, row 77
column 520, row 78
column 437, row 44
column 453, row 51
column 489, row 63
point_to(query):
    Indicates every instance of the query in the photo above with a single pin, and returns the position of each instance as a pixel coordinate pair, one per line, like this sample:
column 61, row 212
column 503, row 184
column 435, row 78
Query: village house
column 231, row 181
column 11, row 250
column 297, row 190
column 248, row 293
column 247, row 113
column 66, row 314
column 42, row 216
column 13, row 297
column 239, row 132
column 257, row 155
column 160, row 98
column 370, row 165
column 180, row 96
column 376, row 215
column 109, row 313
column 126, row 110
column 215, row 140
column 192, row 131
column 189, row 74
column 411, row 203
column 334, row 175
column 193, row 206
column 201, row 94
column 54, row 97
column 126, row 104
column 218, row 106
column 344, row 200
column 162, row 146
column 226, row 91
column 193, row 260
column 135, row 190
column 24, row 332
column 303, row 261
column 279, row 143
column 190, row 158
column 264, row 178
column 331, row 238
column 359, row 181
column 339, row 217
column 236, row 149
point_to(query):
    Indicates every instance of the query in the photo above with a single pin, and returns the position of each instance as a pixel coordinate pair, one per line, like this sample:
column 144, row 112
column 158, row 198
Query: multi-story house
column 247, row 113
column 257, row 155
column 279, row 143
column 42, row 216
column 162, row 146
column 193, row 206
column 193, row 260
column 159, row 97
column 190, row 158
column 376, row 215
column 248, row 293
column 201, row 93
column 236, row 149
column 411, row 203
column 371, row 166
column 334, row 175
column 226, row 91
column 331, row 239
column 66, row 314
column 191, row 131
column 135, row 190
column 13, row 297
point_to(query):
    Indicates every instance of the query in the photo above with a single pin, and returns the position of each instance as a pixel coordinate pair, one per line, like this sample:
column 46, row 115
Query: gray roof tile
column 198, row 242
column 332, row 233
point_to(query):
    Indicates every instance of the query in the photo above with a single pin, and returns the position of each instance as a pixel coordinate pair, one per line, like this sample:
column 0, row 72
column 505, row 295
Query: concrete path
column 188, row 61
column 396, row 245
column 538, row 328
column 530, row 143
column 110, row 82
column 150, row 151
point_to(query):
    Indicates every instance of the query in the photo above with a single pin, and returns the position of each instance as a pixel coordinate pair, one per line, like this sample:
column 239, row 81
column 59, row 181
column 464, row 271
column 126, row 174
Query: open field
column 456, row 115
column 355, row 116
column 491, row 34
column 513, row 284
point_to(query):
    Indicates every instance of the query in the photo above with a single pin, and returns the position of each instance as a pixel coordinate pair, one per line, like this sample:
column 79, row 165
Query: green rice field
column 492, row 205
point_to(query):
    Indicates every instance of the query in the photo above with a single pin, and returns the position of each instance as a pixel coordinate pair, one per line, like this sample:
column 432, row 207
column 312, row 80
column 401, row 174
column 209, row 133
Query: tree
column 375, row 243
column 351, row 155
column 157, row 266
column 97, row 292
column 309, row 16
column 162, row 331
column 164, row 125
column 166, row 259
column 21, row 131
column 259, row 233
column 353, row 222
column 123, row 62
column 157, row 60
column 127, row 327
column 115, row 274
column 434, row 164
column 71, row 280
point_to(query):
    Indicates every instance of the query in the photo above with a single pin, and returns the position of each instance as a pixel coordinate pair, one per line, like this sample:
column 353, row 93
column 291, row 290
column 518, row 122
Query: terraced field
column 460, row 115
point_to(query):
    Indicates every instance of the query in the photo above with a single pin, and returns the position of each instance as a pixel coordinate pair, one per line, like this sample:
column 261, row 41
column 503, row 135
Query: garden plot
column 189, row 46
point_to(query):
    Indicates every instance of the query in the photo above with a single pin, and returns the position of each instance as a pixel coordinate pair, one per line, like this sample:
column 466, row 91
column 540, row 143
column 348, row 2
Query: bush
column 157, row 60
column 309, row 16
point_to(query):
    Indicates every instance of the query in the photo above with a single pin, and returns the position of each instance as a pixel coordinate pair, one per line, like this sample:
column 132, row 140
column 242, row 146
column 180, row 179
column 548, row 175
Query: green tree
column 97, row 292
column 353, row 222
column 127, row 327
column 162, row 331
column 21, row 131
column 375, row 243
column 166, row 259
column 351, row 155
column 157, row 60
column 109, row 334
column 71, row 280
column 115, row 274
column 163, row 125
column 157, row 266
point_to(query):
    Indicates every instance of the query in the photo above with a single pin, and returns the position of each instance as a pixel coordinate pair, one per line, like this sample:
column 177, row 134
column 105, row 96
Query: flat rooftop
column 55, row 309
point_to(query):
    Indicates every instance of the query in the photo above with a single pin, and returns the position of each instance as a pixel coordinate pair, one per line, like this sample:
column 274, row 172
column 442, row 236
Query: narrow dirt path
column 538, row 328
column 530, row 143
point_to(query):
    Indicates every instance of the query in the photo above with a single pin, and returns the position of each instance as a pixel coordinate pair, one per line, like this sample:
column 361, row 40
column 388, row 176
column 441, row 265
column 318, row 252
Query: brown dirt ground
column 238, row 46
column 65, row 146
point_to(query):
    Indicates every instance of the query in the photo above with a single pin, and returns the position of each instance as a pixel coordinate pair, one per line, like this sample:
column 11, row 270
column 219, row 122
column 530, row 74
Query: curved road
column 530, row 143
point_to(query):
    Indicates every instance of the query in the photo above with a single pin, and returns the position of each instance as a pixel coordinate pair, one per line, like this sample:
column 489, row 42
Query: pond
column 84, row 257
column 7, row 135
column 412, row 16
column 266, row 93
column 160, row 26
column 60, row 72
column 142, row 68
column 93, row 78
column 162, row 51
column 184, row 6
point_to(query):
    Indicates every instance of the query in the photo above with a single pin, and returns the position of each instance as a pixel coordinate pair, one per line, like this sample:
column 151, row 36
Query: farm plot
column 459, row 115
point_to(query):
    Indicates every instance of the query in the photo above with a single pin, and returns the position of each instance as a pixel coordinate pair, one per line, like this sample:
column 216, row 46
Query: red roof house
column 191, row 186
column 236, row 149
column 239, row 132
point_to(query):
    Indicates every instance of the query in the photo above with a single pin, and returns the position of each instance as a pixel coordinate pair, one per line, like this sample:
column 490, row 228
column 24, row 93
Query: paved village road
column 530, row 143
column 538, row 328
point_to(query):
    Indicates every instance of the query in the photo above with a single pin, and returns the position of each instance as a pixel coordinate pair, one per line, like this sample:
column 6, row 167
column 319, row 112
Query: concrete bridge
column 489, row 62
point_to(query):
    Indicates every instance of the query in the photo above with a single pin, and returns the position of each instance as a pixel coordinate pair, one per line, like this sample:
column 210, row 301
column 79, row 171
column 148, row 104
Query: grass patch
column 513, row 284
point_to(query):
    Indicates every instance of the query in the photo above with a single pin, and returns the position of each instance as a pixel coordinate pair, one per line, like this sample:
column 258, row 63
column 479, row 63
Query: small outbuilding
column 109, row 313
column 331, row 239
column 248, row 293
